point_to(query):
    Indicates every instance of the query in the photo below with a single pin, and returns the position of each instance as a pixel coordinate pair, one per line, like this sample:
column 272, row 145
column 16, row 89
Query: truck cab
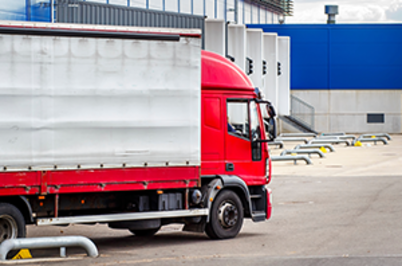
column 232, row 126
column 233, row 140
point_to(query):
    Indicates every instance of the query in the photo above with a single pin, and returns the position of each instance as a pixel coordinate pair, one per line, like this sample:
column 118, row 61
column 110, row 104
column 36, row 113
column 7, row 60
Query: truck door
column 243, row 157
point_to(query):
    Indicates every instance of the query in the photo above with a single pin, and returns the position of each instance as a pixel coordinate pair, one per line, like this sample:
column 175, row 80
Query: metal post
column 192, row 7
column 244, row 12
column 225, row 6
column 216, row 8
column 203, row 7
column 236, row 3
column 163, row 5
column 251, row 13
column 63, row 252
column 52, row 10
column 28, row 9
column 147, row 4
column 178, row 6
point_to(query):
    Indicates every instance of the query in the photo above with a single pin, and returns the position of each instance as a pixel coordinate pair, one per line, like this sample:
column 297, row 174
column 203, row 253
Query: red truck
column 133, row 127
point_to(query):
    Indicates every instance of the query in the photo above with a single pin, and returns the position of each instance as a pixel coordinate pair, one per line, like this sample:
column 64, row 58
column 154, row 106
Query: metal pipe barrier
column 312, row 146
column 383, row 140
column 306, row 135
column 291, row 158
column 48, row 242
column 327, row 137
column 329, row 141
column 310, row 151
column 276, row 143
column 333, row 134
column 352, row 137
column 292, row 139
column 385, row 135
column 337, row 137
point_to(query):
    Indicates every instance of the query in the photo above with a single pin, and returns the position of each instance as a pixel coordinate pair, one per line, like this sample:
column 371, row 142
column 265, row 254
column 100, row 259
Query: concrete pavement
column 342, row 210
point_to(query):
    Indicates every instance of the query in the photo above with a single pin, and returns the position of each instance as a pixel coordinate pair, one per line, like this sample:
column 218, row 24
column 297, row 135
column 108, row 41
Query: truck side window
column 238, row 123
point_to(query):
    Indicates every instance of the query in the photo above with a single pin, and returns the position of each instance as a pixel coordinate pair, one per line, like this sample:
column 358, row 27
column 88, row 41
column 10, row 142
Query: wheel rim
column 228, row 214
column 8, row 228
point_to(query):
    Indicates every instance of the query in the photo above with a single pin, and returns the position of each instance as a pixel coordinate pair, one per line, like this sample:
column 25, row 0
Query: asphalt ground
column 344, row 209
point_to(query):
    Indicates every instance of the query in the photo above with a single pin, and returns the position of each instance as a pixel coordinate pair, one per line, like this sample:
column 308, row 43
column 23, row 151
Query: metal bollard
column 337, row 137
column 316, row 151
column 329, row 141
column 291, row 158
column 305, row 135
column 333, row 134
column 48, row 242
column 385, row 135
column 276, row 143
column 292, row 139
column 383, row 140
column 313, row 146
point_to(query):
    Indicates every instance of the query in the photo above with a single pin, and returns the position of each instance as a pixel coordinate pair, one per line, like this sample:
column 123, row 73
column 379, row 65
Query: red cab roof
column 220, row 73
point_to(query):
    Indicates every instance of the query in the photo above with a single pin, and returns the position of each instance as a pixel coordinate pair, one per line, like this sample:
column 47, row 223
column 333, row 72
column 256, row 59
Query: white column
column 215, row 36
column 237, row 44
column 270, row 54
column 254, row 52
column 284, row 79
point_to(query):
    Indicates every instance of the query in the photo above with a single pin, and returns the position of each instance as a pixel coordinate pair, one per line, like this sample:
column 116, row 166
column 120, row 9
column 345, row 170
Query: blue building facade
column 349, row 56
column 351, row 74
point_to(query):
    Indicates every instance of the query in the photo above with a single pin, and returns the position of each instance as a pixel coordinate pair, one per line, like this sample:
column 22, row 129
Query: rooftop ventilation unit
column 331, row 11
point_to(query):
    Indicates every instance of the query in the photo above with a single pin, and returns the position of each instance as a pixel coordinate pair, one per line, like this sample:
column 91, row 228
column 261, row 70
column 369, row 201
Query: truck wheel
column 12, row 225
column 145, row 232
column 226, row 216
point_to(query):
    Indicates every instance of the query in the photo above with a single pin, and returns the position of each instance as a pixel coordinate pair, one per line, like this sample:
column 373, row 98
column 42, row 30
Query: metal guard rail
column 48, row 242
column 291, row 158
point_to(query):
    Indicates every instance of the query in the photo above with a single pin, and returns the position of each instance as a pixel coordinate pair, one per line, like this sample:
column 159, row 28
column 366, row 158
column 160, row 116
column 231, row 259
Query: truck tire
column 12, row 224
column 226, row 217
column 145, row 232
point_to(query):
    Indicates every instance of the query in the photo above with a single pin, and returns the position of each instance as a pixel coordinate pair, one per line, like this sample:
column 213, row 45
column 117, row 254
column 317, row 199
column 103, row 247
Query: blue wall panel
column 26, row 10
column 343, row 56
column 13, row 10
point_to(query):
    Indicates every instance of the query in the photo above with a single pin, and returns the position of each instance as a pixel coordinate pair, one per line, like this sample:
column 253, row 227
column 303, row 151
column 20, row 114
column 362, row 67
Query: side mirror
column 271, row 110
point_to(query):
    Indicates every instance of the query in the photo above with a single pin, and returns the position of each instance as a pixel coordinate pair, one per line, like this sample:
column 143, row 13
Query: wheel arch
column 22, row 204
column 237, row 185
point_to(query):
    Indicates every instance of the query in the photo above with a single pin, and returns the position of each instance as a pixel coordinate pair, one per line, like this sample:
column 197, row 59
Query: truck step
column 258, row 216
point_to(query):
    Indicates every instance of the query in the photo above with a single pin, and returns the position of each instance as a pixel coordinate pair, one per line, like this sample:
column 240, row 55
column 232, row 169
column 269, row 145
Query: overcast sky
column 312, row 11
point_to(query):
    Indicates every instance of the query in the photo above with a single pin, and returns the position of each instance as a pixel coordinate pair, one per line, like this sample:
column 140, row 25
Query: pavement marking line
column 40, row 260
